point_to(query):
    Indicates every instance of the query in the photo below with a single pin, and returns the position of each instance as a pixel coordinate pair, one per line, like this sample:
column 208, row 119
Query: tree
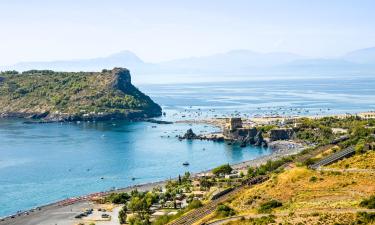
column 224, row 211
column 118, row 198
column 206, row 183
column 251, row 172
column 223, row 169
column 139, row 205
column 122, row 215
column 359, row 147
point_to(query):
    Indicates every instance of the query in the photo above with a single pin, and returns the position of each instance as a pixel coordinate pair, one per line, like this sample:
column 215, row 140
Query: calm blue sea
column 42, row 163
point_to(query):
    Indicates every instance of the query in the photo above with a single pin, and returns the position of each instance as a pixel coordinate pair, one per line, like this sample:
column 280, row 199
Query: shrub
column 122, row 215
column 359, row 147
column 310, row 161
column 118, row 198
column 368, row 203
column 313, row 179
column 270, row 166
column 365, row 218
column 268, row 206
column 224, row 211
column 223, row 169
column 195, row 204
column 264, row 220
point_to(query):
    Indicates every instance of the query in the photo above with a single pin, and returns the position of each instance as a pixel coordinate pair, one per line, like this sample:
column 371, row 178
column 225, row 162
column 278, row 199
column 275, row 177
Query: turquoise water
column 42, row 163
column 48, row 162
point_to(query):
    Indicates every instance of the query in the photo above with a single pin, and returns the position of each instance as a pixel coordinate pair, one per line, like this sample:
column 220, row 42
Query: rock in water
column 189, row 134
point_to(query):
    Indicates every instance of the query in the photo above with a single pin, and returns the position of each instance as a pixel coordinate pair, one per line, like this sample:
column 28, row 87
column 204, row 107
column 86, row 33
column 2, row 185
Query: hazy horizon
column 167, row 30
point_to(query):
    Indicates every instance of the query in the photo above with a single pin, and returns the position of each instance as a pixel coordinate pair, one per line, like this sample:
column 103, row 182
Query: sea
column 44, row 163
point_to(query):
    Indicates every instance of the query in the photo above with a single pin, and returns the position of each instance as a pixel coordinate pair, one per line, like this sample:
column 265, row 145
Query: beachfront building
column 367, row 115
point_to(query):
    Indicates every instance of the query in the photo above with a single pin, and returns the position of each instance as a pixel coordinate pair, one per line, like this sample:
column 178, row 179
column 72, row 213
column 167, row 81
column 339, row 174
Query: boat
column 185, row 163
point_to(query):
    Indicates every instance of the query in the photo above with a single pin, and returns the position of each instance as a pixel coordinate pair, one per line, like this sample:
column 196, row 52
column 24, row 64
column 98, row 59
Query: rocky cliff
column 70, row 96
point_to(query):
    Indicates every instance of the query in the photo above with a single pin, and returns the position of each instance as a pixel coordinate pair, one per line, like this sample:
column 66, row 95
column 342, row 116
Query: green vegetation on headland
column 68, row 96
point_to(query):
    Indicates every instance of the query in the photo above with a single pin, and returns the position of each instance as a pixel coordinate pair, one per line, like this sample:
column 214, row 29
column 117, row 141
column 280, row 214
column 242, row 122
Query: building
column 234, row 131
column 233, row 123
column 366, row 115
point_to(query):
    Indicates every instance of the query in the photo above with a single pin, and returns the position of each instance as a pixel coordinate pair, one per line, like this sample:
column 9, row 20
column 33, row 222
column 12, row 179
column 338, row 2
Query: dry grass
column 309, row 196
column 363, row 161
column 301, row 189
column 312, row 218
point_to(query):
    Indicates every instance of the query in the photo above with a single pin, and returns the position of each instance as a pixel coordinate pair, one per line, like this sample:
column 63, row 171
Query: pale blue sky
column 34, row 30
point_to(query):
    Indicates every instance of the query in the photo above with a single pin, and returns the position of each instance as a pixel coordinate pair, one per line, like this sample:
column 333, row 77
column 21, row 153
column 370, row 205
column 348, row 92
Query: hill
column 121, row 59
column 235, row 60
column 362, row 56
column 70, row 96
column 231, row 65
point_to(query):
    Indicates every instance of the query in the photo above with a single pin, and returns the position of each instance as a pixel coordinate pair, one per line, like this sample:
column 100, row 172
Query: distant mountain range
column 232, row 62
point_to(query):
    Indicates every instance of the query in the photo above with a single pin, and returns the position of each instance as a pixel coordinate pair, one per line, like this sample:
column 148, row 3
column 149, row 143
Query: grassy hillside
column 299, row 195
column 73, row 96
column 340, row 193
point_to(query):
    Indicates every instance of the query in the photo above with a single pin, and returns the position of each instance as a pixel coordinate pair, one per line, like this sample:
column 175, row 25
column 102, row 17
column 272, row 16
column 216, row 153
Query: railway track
column 197, row 214
column 334, row 158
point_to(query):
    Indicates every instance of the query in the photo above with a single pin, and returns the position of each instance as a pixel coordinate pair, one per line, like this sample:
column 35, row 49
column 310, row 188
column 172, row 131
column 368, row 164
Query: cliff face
column 66, row 96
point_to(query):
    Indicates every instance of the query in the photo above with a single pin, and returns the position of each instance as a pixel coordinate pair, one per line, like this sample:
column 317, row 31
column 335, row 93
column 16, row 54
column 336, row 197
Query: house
column 367, row 115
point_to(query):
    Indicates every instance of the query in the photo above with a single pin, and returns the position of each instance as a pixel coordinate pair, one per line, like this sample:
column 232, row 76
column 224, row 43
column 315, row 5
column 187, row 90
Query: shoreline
column 51, row 209
column 265, row 120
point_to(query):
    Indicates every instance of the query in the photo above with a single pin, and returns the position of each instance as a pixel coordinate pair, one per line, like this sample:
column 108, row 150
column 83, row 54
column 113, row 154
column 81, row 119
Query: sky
column 37, row 30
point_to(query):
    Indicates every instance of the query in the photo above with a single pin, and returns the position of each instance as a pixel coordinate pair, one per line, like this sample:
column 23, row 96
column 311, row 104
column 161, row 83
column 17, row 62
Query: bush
column 310, row 161
column 268, row 206
column 195, row 204
column 118, row 198
column 224, row 211
column 270, row 166
column 359, row 147
column 365, row 218
column 368, row 203
column 122, row 215
column 161, row 220
column 313, row 179
column 264, row 220
column 224, row 169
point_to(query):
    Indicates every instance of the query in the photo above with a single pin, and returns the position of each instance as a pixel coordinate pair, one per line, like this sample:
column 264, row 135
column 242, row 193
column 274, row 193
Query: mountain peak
column 126, row 56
